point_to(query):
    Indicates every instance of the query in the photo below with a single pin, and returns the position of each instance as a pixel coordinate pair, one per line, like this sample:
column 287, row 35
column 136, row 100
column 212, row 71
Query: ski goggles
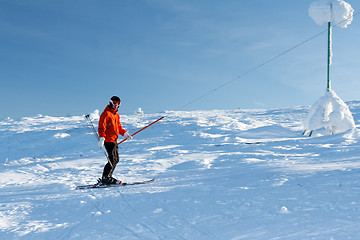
column 116, row 104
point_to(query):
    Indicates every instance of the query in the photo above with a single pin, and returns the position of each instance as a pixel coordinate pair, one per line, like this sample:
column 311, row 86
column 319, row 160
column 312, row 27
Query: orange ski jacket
column 109, row 125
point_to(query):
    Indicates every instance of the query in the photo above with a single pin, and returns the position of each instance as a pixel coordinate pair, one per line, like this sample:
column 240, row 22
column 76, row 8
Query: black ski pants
column 113, row 153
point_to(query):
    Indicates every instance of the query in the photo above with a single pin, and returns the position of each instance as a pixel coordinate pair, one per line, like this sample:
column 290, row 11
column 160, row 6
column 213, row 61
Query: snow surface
column 331, row 113
column 244, row 174
column 337, row 11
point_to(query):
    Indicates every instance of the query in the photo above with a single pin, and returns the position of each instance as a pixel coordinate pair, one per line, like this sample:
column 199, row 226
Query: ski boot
column 109, row 180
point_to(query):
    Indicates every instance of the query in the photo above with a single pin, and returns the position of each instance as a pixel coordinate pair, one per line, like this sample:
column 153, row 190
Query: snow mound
column 61, row 135
column 331, row 113
column 336, row 11
column 95, row 115
column 139, row 111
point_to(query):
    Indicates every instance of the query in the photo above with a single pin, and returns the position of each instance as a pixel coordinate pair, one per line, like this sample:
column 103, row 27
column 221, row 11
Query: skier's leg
column 111, row 149
column 115, row 160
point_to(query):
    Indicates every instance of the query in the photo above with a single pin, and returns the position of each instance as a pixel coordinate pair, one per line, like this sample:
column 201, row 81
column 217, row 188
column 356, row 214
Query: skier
column 109, row 130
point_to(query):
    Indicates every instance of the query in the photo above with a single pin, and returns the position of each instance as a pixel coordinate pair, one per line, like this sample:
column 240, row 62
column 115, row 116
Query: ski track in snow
column 243, row 174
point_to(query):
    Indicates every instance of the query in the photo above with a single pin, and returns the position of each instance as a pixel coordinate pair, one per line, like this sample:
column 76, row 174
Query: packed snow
column 242, row 174
column 337, row 11
column 331, row 113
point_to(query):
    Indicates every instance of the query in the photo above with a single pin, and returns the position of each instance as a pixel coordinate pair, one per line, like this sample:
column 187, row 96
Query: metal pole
column 329, row 57
column 141, row 129
column 98, row 138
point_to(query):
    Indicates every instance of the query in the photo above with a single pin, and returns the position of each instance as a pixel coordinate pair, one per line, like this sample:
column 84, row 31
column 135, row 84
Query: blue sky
column 69, row 57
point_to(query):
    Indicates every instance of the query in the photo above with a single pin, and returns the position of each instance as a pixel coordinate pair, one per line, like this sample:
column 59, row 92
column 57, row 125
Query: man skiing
column 109, row 130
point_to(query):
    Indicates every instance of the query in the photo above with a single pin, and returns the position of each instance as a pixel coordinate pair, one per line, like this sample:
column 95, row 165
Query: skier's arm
column 121, row 130
column 102, row 126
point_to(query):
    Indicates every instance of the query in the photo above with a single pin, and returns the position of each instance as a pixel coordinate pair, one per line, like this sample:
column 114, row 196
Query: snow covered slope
column 244, row 174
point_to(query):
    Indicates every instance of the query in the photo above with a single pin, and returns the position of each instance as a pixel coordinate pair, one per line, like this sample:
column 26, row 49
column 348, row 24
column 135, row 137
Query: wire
column 259, row 66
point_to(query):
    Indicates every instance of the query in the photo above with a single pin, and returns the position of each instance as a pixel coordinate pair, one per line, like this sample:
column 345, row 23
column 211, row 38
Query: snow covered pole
column 329, row 57
column 330, row 112
column 141, row 129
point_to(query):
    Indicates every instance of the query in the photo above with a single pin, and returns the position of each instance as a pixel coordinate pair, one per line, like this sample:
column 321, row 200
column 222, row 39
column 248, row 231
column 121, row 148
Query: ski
column 253, row 142
column 101, row 185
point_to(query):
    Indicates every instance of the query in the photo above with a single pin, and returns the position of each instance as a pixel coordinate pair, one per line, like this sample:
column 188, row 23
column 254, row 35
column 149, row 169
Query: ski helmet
column 114, row 102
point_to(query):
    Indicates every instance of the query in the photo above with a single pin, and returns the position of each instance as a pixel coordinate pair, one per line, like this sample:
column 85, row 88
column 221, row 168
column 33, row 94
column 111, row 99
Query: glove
column 101, row 142
column 127, row 136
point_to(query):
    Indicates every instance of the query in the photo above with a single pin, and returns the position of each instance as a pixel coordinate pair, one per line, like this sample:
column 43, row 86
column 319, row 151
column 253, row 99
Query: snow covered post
column 330, row 112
